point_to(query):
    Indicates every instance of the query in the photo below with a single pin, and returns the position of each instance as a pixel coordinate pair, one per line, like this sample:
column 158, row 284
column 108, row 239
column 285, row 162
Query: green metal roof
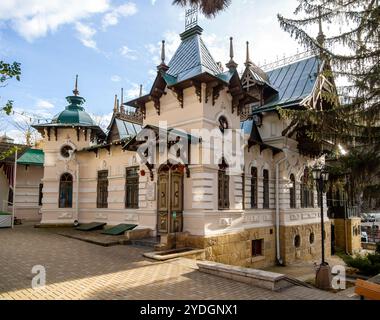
column 74, row 113
column 32, row 157
column 192, row 57
column 294, row 82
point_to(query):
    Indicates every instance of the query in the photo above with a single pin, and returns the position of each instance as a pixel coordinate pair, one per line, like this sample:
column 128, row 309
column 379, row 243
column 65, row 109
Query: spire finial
column 122, row 110
column 248, row 60
column 231, row 48
column 163, row 65
column 75, row 91
column 231, row 64
column 141, row 90
column 163, row 52
column 115, row 106
column 321, row 36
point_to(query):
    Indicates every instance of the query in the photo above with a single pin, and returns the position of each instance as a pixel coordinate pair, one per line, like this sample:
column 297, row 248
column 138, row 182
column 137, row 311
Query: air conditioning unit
column 225, row 222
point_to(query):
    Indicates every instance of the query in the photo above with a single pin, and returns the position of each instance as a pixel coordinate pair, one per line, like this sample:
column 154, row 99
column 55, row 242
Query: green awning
column 34, row 157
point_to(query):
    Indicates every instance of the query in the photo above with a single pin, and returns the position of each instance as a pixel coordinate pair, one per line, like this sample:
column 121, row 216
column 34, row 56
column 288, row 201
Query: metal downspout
column 278, row 251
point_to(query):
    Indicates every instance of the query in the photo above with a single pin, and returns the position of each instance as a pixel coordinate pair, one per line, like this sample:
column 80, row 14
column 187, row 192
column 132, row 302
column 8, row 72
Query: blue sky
column 116, row 43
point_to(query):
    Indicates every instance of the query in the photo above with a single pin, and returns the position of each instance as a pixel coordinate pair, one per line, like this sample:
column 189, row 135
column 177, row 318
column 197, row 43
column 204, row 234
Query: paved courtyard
column 81, row 270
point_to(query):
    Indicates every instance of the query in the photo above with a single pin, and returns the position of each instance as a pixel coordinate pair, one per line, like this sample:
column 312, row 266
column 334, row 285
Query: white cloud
column 128, row 53
column 115, row 78
column 153, row 2
column 85, row 35
column 172, row 42
column 134, row 91
column 102, row 120
column 112, row 18
column 33, row 19
column 44, row 104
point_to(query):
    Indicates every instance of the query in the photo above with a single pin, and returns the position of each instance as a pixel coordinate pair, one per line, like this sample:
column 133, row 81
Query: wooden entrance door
column 170, row 199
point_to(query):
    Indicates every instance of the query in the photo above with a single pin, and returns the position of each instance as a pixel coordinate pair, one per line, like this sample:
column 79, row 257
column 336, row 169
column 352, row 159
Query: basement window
column 257, row 247
column 311, row 238
column 297, row 241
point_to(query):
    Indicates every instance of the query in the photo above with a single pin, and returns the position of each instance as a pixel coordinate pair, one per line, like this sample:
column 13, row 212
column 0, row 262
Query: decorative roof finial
column 248, row 60
column 75, row 91
column 115, row 106
column 231, row 64
column 321, row 36
column 163, row 65
column 141, row 90
column 191, row 17
column 122, row 110
column 163, row 52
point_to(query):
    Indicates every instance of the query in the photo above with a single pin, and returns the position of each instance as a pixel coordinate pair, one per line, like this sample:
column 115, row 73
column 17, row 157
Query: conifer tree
column 351, row 55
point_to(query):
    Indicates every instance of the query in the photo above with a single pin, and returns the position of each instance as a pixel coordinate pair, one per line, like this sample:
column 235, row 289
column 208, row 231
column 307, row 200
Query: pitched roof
column 294, row 82
column 32, row 157
column 249, row 127
column 127, row 129
column 192, row 57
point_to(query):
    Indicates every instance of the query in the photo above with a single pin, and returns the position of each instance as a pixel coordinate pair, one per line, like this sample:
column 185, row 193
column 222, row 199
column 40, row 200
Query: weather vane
column 191, row 17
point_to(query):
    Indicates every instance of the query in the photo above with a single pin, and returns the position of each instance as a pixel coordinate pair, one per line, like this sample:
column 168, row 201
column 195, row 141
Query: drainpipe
column 77, row 195
column 278, row 251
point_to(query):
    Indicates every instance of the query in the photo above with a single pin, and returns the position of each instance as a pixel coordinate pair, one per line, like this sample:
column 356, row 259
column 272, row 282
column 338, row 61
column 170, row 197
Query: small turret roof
column 192, row 57
column 74, row 113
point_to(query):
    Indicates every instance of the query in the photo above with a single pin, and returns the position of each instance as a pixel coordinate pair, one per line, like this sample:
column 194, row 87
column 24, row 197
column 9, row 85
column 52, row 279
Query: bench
column 366, row 289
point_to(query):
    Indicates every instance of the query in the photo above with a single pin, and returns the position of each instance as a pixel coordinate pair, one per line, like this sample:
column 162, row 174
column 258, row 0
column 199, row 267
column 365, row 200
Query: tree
column 7, row 72
column 351, row 55
column 209, row 8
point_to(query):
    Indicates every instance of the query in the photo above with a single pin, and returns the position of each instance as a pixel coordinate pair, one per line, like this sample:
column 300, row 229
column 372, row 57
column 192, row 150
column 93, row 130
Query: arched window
column 66, row 191
column 307, row 192
column 266, row 189
column 292, row 191
column 223, row 187
column 253, row 187
column 223, row 123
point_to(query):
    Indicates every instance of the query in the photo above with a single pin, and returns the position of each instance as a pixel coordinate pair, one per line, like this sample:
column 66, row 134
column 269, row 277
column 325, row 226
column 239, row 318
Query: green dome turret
column 74, row 113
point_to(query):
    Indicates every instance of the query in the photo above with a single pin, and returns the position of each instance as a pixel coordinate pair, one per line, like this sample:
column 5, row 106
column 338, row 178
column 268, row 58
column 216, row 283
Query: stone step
column 147, row 242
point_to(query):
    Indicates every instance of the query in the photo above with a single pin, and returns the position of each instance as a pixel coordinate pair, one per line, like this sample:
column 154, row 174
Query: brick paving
column 81, row 270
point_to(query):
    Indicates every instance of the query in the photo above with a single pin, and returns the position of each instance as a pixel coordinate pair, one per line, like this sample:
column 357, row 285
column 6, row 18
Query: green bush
column 368, row 265
column 378, row 247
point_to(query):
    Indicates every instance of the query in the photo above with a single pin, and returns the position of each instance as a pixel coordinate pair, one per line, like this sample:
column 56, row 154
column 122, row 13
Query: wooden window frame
column 66, row 186
column 102, row 190
column 266, row 189
column 132, row 186
column 223, row 187
column 254, row 188
column 292, row 192
column 257, row 248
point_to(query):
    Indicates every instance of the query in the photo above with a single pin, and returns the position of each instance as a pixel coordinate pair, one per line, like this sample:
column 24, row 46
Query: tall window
column 292, row 191
column 40, row 194
column 66, row 191
column 10, row 196
column 102, row 192
column 223, row 187
column 253, row 187
column 132, row 188
column 307, row 192
column 266, row 189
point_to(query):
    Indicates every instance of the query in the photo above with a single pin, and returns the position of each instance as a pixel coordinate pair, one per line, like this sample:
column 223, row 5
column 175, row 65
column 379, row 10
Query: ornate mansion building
column 254, row 205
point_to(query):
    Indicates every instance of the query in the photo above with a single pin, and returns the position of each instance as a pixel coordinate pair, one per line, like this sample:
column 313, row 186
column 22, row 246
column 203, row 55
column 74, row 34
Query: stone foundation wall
column 351, row 232
column 303, row 243
column 234, row 248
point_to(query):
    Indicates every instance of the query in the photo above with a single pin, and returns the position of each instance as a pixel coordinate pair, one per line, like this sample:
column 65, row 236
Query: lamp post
column 323, row 275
